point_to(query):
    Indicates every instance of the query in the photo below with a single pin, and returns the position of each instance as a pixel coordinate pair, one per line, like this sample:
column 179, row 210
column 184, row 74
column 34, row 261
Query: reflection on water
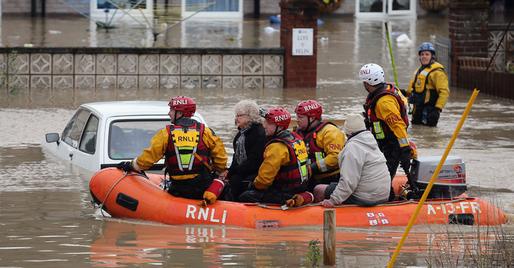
column 46, row 219
column 121, row 243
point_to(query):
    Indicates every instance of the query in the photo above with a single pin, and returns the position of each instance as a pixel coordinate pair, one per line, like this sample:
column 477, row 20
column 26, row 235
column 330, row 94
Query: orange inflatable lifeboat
column 135, row 196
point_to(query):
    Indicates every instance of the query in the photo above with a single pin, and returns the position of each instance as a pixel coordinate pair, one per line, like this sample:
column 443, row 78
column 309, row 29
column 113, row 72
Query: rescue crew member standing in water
column 192, row 153
column 428, row 91
column 284, row 172
column 386, row 116
column 324, row 141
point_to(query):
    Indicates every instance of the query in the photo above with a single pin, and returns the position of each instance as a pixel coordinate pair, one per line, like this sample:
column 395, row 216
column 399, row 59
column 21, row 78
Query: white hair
column 250, row 108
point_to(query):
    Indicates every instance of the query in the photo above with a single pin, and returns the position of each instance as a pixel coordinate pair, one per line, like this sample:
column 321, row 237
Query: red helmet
column 310, row 108
column 183, row 104
column 279, row 116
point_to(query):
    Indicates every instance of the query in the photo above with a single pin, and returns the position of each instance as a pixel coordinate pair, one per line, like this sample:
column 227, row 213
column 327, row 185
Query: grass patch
column 313, row 257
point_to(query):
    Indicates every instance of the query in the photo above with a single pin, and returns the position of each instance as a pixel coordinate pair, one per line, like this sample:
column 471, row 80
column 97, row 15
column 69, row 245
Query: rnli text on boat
column 205, row 214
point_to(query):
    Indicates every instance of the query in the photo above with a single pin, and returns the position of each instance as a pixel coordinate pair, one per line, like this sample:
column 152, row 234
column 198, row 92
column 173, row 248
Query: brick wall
column 468, row 30
column 299, row 71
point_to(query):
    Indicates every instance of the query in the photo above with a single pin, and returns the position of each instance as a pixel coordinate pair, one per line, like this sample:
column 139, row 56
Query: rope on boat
column 400, row 203
column 140, row 174
column 109, row 192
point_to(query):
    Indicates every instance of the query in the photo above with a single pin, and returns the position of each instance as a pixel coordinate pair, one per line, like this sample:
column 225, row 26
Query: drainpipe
column 256, row 8
column 33, row 6
column 43, row 8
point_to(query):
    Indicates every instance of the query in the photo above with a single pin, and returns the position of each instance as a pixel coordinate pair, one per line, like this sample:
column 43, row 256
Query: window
column 371, row 6
column 73, row 131
column 127, row 139
column 88, row 141
column 379, row 9
column 209, row 5
column 124, row 4
column 212, row 8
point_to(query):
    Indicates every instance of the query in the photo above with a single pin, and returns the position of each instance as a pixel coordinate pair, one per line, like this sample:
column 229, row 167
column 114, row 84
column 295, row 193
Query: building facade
column 202, row 8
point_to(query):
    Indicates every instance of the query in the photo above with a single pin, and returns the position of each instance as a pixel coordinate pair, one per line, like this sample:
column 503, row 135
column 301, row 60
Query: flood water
column 46, row 219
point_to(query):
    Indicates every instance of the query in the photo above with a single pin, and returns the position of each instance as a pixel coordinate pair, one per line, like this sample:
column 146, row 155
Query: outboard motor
column 451, row 181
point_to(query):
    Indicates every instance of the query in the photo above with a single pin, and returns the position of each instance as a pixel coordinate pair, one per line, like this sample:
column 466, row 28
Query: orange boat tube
column 136, row 197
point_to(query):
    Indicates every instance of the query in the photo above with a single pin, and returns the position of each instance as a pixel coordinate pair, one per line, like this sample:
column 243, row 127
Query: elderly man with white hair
column 248, row 144
column 364, row 177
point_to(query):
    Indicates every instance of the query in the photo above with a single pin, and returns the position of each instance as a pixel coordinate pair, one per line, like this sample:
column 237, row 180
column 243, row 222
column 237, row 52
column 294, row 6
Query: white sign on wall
column 303, row 42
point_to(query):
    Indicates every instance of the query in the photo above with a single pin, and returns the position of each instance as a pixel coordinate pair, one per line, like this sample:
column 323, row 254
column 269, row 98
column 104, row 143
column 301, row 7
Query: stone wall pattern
column 89, row 69
column 190, row 64
column 169, row 64
column 127, row 64
column 232, row 64
column 62, row 63
column 40, row 63
column 252, row 64
column 211, row 64
column 18, row 64
column 40, row 82
column 106, row 64
column 85, row 64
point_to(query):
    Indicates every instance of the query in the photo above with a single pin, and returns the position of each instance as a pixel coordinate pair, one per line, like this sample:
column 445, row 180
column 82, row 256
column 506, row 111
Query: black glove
column 433, row 117
column 126, row 166
column 405, row 157
column 251, row 186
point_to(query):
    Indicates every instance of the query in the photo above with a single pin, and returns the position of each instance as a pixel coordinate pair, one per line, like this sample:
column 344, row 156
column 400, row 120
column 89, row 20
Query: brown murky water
column 46, row 219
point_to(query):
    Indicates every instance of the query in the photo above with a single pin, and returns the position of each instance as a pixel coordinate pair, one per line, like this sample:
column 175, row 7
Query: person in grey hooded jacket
column 364, row 177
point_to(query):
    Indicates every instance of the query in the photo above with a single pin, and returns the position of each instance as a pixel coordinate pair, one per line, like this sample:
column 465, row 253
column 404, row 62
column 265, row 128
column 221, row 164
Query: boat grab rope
column 141, row 174
column 400, row 203
column 109, row 192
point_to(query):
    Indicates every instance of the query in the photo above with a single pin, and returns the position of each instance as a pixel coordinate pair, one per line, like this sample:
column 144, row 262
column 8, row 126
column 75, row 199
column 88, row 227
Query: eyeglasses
column 239, row 115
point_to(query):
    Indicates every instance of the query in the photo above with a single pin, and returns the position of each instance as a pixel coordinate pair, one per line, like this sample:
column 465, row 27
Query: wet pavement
column 46, row 219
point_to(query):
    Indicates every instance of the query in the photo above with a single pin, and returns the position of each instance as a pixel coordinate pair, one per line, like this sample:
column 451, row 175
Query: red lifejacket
column 182, row 158
column 378, row 127
column 292, row 177
column 315, row 152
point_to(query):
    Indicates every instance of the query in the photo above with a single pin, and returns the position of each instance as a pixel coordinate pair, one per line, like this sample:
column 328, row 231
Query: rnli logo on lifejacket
column 280, row 118
column 300, row 150
column 206, row 214
column 179, row 102
column 185, row 138
column 311, row 107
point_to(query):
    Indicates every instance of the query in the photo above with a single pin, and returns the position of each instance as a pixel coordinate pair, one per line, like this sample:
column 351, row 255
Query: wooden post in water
column 329, row 237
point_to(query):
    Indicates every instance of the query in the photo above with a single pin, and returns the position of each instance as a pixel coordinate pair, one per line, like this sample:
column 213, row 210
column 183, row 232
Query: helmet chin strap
column 276, row 131
column 175, row 118
column 310, row 124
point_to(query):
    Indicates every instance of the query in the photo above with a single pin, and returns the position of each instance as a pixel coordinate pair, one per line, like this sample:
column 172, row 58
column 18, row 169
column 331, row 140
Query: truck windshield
column 127, row 139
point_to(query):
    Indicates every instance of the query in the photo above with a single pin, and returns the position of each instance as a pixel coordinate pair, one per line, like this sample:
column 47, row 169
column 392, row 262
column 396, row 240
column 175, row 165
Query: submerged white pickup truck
column 102, row 134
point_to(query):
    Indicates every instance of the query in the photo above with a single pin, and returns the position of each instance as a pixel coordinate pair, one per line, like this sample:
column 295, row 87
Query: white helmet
column 372, row 74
